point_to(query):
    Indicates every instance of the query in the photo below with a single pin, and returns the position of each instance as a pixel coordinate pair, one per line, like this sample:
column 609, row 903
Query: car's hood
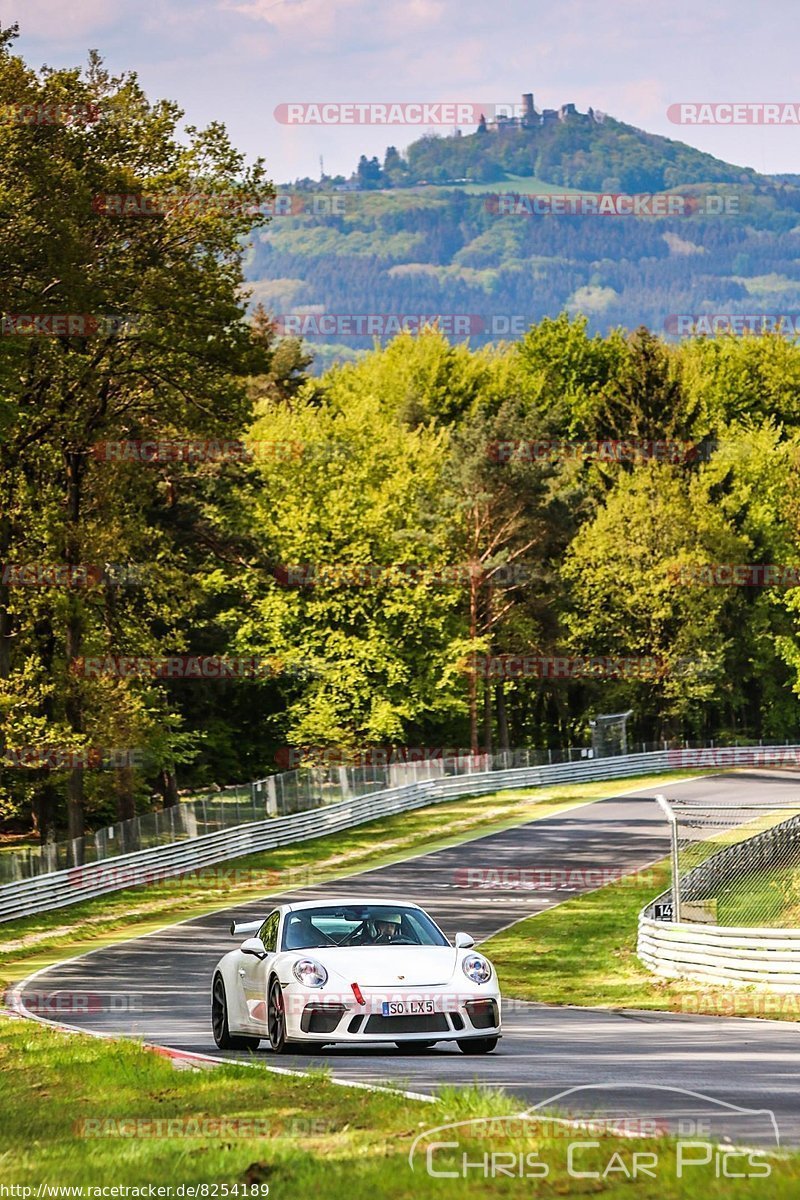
column 388, row 966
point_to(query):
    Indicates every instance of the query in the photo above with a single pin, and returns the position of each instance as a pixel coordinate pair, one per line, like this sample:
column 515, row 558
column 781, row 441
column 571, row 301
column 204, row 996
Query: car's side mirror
column 254, row 946
column 464, row 941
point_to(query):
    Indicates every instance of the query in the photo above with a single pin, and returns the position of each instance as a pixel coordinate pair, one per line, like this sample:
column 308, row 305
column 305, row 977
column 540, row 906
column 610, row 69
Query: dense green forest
column 395, row 525
column 394, row 246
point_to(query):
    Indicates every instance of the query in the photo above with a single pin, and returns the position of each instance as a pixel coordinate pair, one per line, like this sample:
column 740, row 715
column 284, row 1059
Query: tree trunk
column 5, row 615
column 45, row 801
column 487, row 717
column 5, row 620
column 167, row 785
column 73, row 706
column 45, row 797
column 473, row 676
column 126, row 802
column 502, row 717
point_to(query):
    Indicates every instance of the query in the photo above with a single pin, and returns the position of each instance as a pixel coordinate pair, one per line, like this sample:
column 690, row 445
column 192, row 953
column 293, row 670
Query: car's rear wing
column 245, row 927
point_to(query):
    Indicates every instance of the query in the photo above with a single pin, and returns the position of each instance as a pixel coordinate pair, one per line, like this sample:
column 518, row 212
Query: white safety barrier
column 719, row 954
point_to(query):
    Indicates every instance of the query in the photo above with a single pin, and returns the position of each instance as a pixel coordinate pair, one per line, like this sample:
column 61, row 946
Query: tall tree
column 141, row 322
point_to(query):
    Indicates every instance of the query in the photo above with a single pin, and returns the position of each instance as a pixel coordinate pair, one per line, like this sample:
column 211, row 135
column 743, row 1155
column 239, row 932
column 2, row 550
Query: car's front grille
column 321, row 1018
column 422, row 1023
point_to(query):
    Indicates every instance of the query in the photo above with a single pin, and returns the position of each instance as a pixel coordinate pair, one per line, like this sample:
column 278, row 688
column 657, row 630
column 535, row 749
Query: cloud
column 64, row 23
column 310, row 17
column 351, row 28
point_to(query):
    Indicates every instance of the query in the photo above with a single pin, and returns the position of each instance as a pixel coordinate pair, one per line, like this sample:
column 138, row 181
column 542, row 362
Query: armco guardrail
column 59, row 888
column 769, row 958
column 282, row 795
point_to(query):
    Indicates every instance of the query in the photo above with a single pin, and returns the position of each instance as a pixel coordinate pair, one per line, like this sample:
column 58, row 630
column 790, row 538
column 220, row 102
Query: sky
column 238, row 60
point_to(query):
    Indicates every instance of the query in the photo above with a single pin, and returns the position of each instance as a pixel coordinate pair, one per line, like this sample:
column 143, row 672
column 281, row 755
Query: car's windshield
column 359, row 925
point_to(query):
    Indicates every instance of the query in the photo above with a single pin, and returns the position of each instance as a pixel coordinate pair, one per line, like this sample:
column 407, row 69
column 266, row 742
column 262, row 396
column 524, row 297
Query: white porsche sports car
column 354, row 971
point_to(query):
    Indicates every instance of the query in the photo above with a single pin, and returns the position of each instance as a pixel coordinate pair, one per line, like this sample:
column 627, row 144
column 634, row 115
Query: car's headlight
column 310, row 973
column 476, row 968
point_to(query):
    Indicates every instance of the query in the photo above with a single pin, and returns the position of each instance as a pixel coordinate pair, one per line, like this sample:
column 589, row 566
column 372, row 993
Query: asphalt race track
column 156, row 987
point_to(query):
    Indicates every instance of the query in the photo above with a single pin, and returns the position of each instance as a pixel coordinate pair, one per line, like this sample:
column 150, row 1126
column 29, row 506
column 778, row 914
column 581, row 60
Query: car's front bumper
column 324, row 1017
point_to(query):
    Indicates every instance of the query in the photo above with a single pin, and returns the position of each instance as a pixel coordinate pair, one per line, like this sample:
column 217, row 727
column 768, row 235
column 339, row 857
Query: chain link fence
column 309, row 788
column 610, row 733
column 733, row 864
column 282, row 795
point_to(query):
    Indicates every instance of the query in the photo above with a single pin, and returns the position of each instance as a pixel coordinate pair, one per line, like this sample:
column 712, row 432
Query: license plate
column 405, row 1008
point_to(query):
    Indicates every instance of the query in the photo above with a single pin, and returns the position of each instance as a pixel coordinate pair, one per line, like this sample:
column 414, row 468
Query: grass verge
column 82, row 1112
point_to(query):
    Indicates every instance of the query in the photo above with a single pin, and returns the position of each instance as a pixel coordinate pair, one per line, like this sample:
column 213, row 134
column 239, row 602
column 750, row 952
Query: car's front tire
column 276, row 1020
column 477, row 1045
column 219, row 1021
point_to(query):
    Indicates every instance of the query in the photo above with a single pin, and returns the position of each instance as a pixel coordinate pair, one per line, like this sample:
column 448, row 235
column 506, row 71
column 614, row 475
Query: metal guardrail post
column 664, row 804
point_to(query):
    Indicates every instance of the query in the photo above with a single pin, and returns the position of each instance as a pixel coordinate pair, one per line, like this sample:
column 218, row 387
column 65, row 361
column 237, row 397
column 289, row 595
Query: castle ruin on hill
column 529, row 117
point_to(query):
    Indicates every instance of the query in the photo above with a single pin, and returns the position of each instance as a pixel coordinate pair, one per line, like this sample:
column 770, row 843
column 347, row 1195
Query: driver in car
column 387, row 929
